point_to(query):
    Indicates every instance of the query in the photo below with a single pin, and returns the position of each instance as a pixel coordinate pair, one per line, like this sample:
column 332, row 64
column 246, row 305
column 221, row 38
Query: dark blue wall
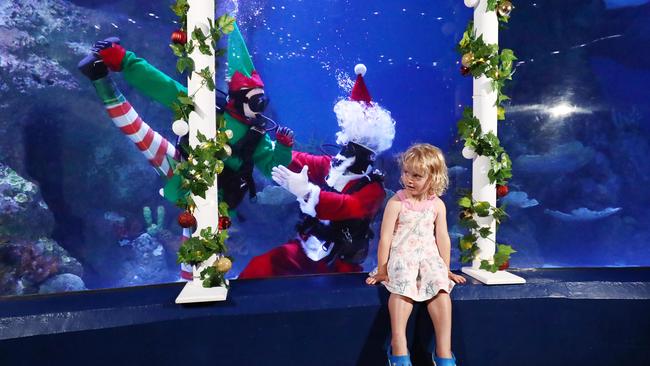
column 566, row 317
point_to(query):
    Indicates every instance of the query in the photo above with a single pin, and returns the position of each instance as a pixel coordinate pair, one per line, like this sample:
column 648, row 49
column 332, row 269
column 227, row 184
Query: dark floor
column 570, row 315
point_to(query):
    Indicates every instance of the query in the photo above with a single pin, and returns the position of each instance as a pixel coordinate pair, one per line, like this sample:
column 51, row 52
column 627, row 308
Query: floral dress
column 415, row 267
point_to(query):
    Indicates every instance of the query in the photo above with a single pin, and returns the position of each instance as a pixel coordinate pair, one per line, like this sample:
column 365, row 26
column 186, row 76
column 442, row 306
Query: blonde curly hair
column 429, row 161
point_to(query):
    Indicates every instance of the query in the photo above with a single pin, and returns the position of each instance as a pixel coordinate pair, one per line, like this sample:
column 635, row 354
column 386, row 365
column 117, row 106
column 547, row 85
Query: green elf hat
column 242, row 75
column 241, row 71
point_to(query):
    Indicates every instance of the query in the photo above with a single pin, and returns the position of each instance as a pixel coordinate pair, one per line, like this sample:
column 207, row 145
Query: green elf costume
column 250, row 143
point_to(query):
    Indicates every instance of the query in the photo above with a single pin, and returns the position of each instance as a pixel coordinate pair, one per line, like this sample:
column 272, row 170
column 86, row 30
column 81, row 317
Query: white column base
column 489, row 278
column 195, row 292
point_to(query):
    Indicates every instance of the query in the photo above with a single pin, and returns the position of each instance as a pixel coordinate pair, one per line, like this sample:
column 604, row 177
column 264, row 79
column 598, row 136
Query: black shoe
column 92, row 67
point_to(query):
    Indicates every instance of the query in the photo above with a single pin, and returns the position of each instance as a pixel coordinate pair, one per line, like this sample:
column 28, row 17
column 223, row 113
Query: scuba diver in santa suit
column 339, row 196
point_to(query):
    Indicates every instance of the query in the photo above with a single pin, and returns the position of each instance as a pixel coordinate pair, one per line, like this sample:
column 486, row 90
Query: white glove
column 296, row 183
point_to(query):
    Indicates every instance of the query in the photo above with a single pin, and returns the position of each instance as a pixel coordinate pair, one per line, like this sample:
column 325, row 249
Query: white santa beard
column 368, row 125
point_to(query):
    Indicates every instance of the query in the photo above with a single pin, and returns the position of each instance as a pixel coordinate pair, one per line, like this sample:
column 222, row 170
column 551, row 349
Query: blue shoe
column 437, row 361
column 398, row 360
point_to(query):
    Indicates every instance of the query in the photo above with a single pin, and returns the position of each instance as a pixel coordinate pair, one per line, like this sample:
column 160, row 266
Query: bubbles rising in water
column 344, row 81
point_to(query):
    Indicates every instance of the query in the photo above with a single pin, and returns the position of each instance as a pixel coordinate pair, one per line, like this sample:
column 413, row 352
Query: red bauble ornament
column 464, row 70
column 504, row 266
column 186, row 219
column 502, row 191
column 179, row 37
column 224, row 222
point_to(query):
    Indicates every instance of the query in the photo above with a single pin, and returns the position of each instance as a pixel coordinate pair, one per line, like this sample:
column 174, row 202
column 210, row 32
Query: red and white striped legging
column 158, row 151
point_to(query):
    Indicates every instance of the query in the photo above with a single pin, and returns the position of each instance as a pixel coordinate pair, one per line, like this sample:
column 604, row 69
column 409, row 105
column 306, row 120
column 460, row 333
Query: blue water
column 578, row 193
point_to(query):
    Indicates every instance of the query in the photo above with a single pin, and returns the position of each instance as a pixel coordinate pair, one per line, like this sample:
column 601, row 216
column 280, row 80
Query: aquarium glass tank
column 80, row 206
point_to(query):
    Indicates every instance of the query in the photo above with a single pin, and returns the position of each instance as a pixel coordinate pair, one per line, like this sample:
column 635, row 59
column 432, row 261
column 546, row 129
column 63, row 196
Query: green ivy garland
column 467, row 244
column 481, row 59
column 205, row 161
column 469, row 129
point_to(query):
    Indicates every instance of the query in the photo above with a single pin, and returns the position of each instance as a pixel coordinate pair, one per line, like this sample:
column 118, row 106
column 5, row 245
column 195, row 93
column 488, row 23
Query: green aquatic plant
column 154, row 229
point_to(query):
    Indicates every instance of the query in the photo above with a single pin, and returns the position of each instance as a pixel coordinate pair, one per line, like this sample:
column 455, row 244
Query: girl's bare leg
column 440, row 312
column 400, row 308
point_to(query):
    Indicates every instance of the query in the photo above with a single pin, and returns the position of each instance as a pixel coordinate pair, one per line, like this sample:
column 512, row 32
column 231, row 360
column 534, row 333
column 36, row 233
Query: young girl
column 414, row 251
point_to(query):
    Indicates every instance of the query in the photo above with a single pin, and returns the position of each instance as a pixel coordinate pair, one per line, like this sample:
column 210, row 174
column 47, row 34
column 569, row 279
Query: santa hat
column 363, row 121
column 241, row 71
column 359, row 90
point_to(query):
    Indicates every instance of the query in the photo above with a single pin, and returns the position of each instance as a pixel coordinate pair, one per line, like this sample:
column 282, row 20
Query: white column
column 203, row 120
column 484, row 98
column 204, row 116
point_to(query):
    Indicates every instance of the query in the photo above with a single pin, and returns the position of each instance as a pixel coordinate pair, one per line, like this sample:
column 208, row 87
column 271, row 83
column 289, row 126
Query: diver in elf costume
column 251, row 145
column 339, row 196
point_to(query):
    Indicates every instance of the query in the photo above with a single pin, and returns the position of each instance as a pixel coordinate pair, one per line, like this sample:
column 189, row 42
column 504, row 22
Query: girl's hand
column 377, row 278
column 456, row 278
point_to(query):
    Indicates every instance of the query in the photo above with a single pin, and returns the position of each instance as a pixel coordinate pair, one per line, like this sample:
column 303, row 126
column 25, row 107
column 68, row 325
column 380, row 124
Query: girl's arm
column 442, row 235
column 443, row 241
column 391, row 213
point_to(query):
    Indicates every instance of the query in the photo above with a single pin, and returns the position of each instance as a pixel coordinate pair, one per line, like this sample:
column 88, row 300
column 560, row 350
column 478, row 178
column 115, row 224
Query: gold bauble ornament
column 466, row 215
column 501, row 113
column 229, row 134
column 467, row 59
column 466, row 245
column 223, row 265
column 504, row 8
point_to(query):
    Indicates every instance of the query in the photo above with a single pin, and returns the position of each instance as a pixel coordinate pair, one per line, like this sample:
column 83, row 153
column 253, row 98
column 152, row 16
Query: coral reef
column 25, row 265
column 62, row 283
column 23, row 213
column 28, row 257
column 147, row 264
column 28, row 29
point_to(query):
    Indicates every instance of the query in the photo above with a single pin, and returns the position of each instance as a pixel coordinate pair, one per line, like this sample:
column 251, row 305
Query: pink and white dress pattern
column 415, row 267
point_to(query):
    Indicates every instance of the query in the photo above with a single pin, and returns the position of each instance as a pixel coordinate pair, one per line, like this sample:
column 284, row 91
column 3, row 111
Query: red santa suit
column 338, row 196
column 358, row 201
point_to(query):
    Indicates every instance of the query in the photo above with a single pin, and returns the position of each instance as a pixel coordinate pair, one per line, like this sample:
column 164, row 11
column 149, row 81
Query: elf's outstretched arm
column 269, row 153
column 266, row 153
column 139, row 73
